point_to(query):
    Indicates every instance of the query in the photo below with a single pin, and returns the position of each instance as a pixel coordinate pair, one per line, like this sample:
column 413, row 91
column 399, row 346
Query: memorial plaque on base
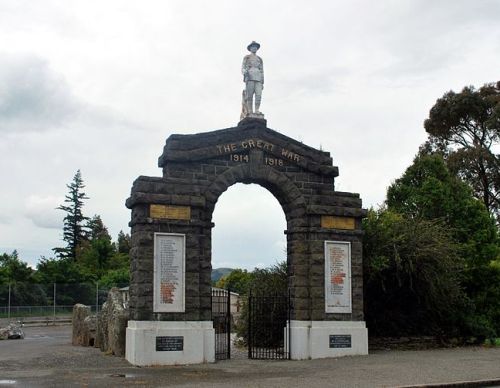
column 169, row 272
column 169, row 344
column 340, row 341
column 338, row 277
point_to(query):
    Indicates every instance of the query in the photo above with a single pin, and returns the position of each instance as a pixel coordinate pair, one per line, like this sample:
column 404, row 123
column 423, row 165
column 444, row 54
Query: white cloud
column 42, row 211
column 32, row 97
column 4, row 219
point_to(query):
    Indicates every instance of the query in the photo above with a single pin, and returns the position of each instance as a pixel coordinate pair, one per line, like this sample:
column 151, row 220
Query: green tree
column 13, row 269
column 18, row 276
column 428, row 190
column 73, row 284
column 272, row 280
column 95, row 253
column 465, row 126
column 237, row 281
column 411, row 276
column 51, row 270
column 115, row 278
column 74, row 232
column 123, row 243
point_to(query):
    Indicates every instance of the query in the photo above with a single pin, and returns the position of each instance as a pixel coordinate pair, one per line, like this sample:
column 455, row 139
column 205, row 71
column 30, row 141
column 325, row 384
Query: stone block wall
column 197, row 169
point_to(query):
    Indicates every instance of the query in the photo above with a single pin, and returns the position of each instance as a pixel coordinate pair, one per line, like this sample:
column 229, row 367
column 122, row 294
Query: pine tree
column 74, row 231
column 96, row 251
column 123, row 243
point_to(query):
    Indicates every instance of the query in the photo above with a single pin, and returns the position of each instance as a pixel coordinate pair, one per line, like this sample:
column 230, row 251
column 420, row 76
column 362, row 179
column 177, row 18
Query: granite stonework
column 197, row 169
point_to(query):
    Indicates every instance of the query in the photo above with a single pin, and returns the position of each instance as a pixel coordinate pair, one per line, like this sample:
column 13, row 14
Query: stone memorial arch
column 170, row 290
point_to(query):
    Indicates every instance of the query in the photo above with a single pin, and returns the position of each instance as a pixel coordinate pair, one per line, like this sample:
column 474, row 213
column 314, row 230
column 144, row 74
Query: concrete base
column 198, row 342
column 311, row 339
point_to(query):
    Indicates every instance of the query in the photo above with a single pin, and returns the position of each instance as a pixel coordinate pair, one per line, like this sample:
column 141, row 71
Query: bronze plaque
column 170, row 212
column 337, row 222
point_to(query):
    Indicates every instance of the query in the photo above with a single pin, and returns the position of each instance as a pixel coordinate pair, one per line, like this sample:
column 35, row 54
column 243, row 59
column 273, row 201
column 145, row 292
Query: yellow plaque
column 157, row 211
column 170, row 212
column 336, row 222
column 178, row 212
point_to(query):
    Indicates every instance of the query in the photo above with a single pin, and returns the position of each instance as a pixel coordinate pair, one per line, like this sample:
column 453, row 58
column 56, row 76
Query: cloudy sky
column 99, row 86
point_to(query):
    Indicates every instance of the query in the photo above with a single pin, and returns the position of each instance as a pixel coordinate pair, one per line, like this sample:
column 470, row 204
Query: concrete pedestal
column 198, row 342
column 321, row 339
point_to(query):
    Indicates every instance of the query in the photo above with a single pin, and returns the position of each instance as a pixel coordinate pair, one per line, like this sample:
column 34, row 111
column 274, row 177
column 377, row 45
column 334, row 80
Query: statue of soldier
column 253, row 76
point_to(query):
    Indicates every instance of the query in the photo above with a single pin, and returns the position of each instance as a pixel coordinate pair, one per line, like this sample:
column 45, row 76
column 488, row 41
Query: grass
column 493, row 342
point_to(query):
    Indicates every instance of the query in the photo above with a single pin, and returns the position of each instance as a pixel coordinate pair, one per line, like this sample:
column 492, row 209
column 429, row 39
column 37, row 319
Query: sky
column 100, row 85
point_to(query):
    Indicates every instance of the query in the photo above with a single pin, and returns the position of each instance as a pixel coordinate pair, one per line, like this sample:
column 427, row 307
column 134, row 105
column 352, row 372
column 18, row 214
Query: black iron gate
column 269, row 327
column 221, row 316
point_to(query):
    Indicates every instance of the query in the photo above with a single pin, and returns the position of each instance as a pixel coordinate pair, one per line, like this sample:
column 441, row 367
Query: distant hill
column 217, row 273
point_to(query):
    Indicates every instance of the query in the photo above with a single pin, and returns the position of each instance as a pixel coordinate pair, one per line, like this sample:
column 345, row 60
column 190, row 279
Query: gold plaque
column 336, row 222
column 170, row 212
column 157, row 211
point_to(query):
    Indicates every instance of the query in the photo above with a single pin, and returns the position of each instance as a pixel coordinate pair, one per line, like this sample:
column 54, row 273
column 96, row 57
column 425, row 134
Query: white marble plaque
column 169, row 272
column 338, row 277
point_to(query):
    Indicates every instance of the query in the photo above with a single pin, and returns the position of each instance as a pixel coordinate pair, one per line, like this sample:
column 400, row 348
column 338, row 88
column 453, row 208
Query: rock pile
column 106, row 330
column 112, row 324
column 80, row 312
column 12, row 331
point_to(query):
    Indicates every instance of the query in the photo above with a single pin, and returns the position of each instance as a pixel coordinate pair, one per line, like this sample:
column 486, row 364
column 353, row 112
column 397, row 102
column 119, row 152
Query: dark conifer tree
column 123, row 243
column 74, row 230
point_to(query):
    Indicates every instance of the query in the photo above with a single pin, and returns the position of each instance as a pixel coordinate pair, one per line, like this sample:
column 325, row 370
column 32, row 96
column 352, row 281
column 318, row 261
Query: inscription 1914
column 248, row 144
column 244, row 158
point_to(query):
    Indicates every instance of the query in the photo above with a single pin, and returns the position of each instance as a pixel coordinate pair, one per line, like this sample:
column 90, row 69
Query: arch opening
column 249, row 228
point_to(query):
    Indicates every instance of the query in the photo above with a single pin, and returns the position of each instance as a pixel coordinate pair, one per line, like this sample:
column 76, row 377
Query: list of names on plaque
column 169, row 272
column 337, row 277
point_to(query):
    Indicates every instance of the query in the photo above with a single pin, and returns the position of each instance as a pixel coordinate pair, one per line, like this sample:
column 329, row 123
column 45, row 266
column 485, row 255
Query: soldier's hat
column 254, row 43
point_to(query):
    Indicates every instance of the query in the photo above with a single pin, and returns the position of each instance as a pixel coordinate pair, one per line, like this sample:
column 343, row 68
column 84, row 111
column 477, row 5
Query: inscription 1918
column 273, row 161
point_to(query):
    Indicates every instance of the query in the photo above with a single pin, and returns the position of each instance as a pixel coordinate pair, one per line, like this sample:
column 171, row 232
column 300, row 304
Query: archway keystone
column 170, row 290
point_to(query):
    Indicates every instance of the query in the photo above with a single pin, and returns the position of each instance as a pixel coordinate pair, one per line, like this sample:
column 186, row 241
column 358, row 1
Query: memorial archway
column 171, row 243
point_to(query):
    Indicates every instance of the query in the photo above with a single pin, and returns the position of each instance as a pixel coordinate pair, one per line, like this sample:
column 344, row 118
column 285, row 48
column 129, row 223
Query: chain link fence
column 50, row 303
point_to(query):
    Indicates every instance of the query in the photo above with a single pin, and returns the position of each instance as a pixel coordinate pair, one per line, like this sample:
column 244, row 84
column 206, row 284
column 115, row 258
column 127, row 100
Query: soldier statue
column 253, row 76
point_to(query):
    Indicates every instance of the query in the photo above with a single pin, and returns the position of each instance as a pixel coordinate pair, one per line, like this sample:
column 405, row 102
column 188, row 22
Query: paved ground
column 47, row 359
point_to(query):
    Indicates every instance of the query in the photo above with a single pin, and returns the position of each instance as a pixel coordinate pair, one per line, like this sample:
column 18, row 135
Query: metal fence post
column 228, row 327
column 249, row 325
column 54, row 304
column 289, row 323
column 96, row 297
column 8, row 309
